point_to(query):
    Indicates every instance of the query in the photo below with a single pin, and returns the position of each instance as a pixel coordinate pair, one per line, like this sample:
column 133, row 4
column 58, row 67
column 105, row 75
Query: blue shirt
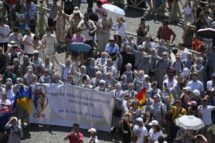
column 112, row 50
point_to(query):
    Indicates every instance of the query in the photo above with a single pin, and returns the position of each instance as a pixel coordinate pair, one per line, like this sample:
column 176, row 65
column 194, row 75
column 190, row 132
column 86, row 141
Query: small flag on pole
column 141, row 96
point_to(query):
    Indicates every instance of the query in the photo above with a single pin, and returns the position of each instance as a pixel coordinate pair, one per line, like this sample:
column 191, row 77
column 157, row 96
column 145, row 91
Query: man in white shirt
column 205, row 113
column 141, row 131
column 195, row 83
column 49, row 42
column 28, row 43
column 211, row 83
column 4, row 33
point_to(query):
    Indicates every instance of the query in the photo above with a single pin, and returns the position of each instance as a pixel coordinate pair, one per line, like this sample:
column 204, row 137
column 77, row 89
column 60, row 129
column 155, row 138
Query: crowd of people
column 177, row 79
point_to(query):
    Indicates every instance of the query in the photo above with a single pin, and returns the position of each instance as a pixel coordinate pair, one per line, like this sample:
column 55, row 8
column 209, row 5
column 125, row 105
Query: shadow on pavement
column 111, row 137
column 133, row 13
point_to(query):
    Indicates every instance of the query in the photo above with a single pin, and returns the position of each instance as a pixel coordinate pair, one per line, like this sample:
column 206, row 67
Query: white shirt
column 4, row 33
column 125, row 105
column 144, row 132
column 85, row 30
column 16, row 37
column 206, row 114
column 209, row 84
column 121, row 30
column 10, row 95
column 95, row 140
column 6, row 102
column 183, row 54
column 65, row 71
column 50, row 42
column 154, row 136
column 196, row 85
column 28, row 48
column 170, row 84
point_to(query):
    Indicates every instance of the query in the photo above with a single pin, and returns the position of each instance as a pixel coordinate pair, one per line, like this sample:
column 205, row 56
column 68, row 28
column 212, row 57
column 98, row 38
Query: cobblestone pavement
column 54, row 134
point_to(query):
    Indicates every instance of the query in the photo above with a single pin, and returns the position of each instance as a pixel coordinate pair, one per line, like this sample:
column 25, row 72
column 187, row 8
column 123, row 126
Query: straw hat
column 76, row 10
column 120, row 19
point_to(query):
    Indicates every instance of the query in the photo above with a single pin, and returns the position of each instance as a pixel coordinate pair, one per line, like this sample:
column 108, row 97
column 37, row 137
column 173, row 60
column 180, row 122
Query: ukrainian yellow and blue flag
column 23, row 98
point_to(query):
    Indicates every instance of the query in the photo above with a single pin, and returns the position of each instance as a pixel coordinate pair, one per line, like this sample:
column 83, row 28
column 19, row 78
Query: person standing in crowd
column 49, row 42
column 159, row 109
column 127, row 57
column 68, row 6
column 4, row 33
column 3, row 61
column 176, row 111
column 166, row 33
column 126, row 125
column 113, row 50
column 60, row 26
column 88, row 29
column 205, row 112
column 41, row 23
column 15, row 128
column 17, row 13
column 16, row 36
column 140, row 131
column 142, row 31
column 54, row 8
column 120, row 27
column 93, row 137
column 104, row 25
column 28, row 43
column 75, row 136
column 31, row 15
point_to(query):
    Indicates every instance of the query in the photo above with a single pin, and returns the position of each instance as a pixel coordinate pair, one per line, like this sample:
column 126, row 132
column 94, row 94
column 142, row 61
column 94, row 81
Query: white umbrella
column 114, row 9
column 189, row 122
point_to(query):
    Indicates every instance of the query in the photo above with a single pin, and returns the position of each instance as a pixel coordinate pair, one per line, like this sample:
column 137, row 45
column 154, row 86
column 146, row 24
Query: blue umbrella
column 80, row 47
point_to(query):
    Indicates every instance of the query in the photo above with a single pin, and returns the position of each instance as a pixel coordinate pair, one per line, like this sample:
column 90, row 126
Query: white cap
column 196, row 92
column 154, row 123
column 92, row 130
column 36, row 52
column 139, row 119
column 187, row 88
column 102, row 81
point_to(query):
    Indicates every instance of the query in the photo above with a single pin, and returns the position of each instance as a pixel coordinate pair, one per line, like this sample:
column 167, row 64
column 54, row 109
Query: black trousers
column 4, row 46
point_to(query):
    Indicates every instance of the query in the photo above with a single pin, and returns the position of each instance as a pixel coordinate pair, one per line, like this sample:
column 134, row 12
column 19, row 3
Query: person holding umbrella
column 77, row 37
column 88, row 29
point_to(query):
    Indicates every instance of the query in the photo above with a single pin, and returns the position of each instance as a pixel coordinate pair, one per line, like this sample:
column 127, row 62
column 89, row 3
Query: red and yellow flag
column 142, row 96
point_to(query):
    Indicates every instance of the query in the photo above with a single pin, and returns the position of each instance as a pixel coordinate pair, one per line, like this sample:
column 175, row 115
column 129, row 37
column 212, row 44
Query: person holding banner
column 75, row 136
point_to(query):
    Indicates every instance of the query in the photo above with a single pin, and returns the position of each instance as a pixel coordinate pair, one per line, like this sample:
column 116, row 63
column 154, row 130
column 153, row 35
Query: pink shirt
column 74, row 138
column 77, row 38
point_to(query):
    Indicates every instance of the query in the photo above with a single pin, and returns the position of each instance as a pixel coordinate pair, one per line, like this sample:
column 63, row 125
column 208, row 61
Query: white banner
column 66, row 104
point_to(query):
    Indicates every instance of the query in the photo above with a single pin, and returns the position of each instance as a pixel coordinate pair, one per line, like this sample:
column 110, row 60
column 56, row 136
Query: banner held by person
column 64, row 105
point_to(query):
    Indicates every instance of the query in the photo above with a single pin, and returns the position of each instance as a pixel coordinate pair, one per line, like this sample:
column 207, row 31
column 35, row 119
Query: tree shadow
column 133, row 13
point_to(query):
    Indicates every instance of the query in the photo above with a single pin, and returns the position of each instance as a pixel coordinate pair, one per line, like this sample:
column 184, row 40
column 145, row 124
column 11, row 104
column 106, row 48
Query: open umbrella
column 189, row 122
column 80, row 47
column 114, row 9
column 206, row 33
